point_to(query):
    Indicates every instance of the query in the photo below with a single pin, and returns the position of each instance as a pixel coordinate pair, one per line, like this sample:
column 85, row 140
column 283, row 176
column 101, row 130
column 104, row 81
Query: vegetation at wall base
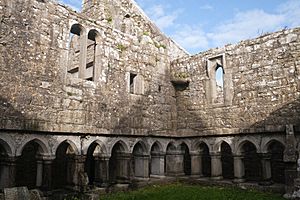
column 180, row 191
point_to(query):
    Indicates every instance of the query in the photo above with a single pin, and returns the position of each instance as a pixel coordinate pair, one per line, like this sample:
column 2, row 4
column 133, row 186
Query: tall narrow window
column 219, row 84
column 215, row 72
column 91, row 55
column 74, row 50
column 132, row 83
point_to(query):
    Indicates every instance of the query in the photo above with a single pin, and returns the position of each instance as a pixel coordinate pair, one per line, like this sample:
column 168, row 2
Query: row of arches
column 34, row 168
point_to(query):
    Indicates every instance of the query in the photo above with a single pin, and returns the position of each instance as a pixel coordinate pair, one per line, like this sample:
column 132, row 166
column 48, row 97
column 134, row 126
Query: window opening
column 132, row 82
column 219, row 84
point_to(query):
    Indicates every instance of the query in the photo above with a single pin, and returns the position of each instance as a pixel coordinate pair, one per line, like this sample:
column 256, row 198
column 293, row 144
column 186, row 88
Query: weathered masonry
column 103, row 97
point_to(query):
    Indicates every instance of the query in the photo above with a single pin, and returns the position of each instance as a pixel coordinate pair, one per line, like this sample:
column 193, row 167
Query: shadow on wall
column 194, row 119
column 12, row 118
column 275, row 121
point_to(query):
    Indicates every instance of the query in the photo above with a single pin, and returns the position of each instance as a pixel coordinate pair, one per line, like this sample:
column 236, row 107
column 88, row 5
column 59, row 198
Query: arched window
column 75, row 50
column 91, row 54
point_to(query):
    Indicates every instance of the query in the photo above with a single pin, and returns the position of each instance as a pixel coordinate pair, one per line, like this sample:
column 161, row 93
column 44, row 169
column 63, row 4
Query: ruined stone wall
column 261, row 87
column 37, row 93
column 128, row 17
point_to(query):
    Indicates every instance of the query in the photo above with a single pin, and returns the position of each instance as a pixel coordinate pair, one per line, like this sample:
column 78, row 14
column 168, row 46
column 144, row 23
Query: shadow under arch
column 157, row 166
column 119, row 163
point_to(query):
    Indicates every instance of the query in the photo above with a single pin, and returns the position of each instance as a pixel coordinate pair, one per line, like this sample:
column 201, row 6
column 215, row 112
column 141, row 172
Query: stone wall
column 261, row 87
column 37, row 93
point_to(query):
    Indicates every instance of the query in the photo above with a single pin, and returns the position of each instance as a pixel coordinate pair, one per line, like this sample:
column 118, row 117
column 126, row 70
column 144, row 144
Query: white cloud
column 191, row 37
column 291, row 12
column 162, row 18
column 245, row 25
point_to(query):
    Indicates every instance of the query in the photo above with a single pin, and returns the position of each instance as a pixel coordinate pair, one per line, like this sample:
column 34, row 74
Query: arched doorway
column 29, row 166
column 5, row 166
column 157, row 160
column 119, row 164
column 140, row 161
column 227, row 161
column 186, row 159
column 206, row 160
column 63, row 166
column 252, row 164
column 276, row 149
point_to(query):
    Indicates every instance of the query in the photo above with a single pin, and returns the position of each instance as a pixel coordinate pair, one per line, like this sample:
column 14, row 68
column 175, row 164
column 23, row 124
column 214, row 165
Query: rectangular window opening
column 131, row 82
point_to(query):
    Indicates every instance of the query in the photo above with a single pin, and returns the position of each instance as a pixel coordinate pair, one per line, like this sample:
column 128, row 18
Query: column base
column 196, row 176
column 239, row 180
column 157, row 176
column 266, row 183
column 216, row 178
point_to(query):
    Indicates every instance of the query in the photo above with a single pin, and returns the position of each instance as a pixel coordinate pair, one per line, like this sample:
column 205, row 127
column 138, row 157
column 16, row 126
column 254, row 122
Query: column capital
column 215, row 154
column 265, row 156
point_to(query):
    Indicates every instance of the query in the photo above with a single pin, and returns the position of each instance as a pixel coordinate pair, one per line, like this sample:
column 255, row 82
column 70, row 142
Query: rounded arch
column 94, row 35
column 171, row 146
column 77, row 29
column 93, row 143
column 122, row 145
column 6, row 148
column 156, row 147
column 217, row 146
column 240, row 145
column 266, row 145
column 42, row 150
column 140, row 147
column 198, row 145
column 73, row 150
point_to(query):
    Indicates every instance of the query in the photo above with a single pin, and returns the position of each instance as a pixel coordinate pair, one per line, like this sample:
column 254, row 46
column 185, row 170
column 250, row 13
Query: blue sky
column 198, row 25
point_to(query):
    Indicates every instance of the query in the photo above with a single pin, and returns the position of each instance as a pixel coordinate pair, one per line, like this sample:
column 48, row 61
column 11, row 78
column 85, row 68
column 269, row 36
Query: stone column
column 98, row 61
column 266, row 169
column 83, row 54
column 157, row 164
column 216, row 166
column 196, row 164
column 101, row 171
column 239, row 169
column 124, row 168
column 8, row 172
column 39, row 172
column 47, row 173
column 141, row 168
column 175, row 163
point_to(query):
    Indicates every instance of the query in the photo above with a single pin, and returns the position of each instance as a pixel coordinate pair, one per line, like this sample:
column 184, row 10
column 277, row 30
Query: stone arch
column 217, row 146
column 98, row 142
column 119, row 163
column 95, row 152
column 276, row 165
column 73, row 150
column 64, row 164
column 5, row 148
column 186, row 158
column 239, row 145
column 251, row 160
column 44, row 149
column 227, row 160
column 77, row 51
column 140, row 160
column 93, row 52
column 28, row 172
column 266, row 144
column 197, row 143
column 124, row 146
column 157, row 167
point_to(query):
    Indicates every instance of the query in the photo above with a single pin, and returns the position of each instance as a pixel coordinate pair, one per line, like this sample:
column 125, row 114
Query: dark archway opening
column 186, row 159
column 277, row 165
column 227, row 161
column 118, row 165
column 252, row 162
column 62, row 165
column 206, row 160
column 26, row 166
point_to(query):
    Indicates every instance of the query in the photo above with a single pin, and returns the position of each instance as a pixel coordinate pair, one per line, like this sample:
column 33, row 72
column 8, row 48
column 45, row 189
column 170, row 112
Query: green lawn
column 190, row 192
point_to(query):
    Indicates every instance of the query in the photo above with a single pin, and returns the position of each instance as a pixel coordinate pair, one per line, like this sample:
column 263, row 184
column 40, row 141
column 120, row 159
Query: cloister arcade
column 73, row 161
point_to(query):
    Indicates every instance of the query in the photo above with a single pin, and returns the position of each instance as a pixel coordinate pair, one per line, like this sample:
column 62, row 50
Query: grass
column 191, row 192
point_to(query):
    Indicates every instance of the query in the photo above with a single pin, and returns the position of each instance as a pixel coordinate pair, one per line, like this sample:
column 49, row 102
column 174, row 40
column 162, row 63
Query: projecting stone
column 16, row 193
